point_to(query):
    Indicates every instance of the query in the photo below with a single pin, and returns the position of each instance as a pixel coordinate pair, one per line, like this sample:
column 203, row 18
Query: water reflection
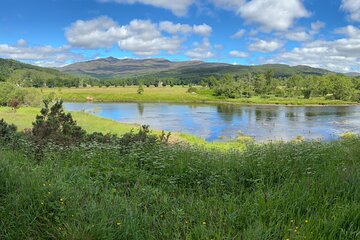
column 140, row 107
column 214, row 121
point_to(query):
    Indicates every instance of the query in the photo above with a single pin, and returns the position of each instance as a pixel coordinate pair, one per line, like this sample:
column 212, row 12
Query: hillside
column 9, row 66
column 106, row 68
column 27, row 75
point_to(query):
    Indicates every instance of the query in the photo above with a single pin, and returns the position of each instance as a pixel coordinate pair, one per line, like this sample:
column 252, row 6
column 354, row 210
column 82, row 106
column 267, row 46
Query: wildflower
column 186, row 222
column 118, row 223
column 306, row 221
column 42, row 203
column 44, row 184
column 204, row 223
column 292, row 221
column 61, row 200
column 49, row 193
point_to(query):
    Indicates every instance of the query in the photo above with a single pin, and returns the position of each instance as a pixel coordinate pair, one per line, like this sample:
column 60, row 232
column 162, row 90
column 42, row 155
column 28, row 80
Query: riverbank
column 24, row 117
column 176, row 94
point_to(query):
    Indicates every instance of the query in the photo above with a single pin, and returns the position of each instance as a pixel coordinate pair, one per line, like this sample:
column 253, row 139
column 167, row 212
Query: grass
column 24, row 117
column 175, row 94
column 307, row 190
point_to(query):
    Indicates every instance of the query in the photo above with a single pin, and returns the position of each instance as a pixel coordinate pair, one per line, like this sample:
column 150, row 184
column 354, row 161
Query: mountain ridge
column 110, row 67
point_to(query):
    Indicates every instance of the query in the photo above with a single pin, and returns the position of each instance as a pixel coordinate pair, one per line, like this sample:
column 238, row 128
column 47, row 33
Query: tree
column 260, row 84
column 6, row 89
column 343, row 87
column 140, row 89
column 53, row 124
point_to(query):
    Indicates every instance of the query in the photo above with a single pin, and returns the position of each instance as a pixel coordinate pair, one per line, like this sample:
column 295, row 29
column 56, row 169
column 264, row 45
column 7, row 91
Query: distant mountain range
column 108, row 68
column 105, row 68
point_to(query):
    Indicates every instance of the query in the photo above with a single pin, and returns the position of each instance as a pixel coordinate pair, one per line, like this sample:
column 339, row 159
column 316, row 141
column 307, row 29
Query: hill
column 107, row 68
column 27, row 75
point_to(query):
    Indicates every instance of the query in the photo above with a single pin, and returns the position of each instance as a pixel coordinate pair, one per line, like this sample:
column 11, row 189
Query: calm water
column 213, row 122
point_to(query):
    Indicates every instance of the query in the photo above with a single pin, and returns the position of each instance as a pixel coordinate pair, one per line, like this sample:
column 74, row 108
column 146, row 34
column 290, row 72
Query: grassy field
column 24, row 117
column 307, row 190
column 174, row 94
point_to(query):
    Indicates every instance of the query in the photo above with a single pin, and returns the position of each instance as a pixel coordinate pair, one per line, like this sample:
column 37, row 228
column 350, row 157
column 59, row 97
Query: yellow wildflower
column 306, row 221
column 204, row 223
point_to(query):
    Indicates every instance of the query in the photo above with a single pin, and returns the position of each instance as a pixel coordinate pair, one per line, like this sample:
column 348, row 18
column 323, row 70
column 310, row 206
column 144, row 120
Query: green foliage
column 140, row 89
column 54, row 125
column 343, row 87
column 7, row 131
column 6, row 90
column 273, row 191
column 192, row 90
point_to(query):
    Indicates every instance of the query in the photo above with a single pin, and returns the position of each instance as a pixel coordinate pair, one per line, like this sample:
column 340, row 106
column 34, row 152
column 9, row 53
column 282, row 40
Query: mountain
column 113, row 67
column 106, row 68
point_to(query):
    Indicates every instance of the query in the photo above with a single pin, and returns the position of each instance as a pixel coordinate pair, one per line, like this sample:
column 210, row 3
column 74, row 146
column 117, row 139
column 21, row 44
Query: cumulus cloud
column 239, row 33
column 299, row 36
column 341, row 55
column 316, row 26
column 350, row 31
column 238, row 54
column 178, row 7
column 39, row 55
column 201, row 50
column 172, row 28
column 101, row 32
column 142, row 37
column 353, row 8
column 265, row 46
column 269, row 14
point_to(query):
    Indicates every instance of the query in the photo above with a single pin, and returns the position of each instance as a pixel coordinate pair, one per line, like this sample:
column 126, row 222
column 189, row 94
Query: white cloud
column 101, row 32
column 316, row 26
column 265, row 46
column 350, row 31
column 269, row 14
column 353, row 8
column 204, row 30
column 239, row 33
column 172, row 28
column 39, row 55
column 178, row 7
column 142, row 37
column 341, row 55
column 201, row 51
column 299, row 36
column 238, row 54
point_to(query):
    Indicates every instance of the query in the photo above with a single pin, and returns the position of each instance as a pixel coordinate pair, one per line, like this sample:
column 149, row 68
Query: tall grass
column 306, row 190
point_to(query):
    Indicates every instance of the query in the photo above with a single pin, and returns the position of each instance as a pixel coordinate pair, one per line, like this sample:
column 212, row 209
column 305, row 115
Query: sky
column 54, row 33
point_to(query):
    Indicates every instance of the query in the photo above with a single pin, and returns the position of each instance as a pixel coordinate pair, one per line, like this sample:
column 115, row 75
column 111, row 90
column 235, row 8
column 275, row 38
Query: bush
column 7, row 131
column 13, row 103
column 329, row 97
column 54, row 125
column 356, row 97
column 348, row 135
column 280, row 92
column 192, row 90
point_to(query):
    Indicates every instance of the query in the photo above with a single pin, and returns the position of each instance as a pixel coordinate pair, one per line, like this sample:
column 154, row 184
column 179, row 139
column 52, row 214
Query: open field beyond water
column 172, row 94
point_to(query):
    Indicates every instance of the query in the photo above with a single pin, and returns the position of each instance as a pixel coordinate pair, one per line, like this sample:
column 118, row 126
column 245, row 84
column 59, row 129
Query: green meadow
column 173, row 94
column 306, row 190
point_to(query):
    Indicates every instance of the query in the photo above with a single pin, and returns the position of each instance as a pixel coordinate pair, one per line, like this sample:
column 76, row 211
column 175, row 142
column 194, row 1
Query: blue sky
column 319, row 33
